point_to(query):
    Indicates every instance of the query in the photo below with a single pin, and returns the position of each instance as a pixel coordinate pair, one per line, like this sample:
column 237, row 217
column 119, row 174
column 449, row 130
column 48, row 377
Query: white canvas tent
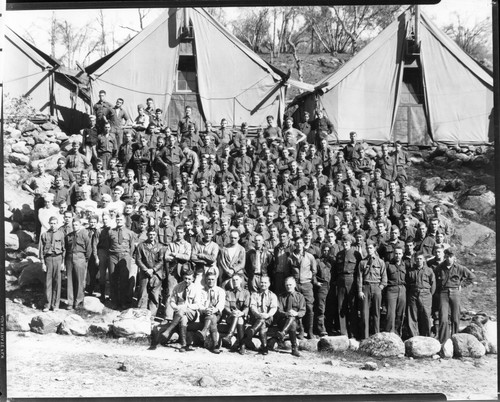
column 392, row 90
column 53, row 89
column 185, row 57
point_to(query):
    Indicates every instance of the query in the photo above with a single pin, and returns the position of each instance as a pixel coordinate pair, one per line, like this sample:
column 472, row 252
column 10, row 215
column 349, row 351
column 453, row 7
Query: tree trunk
column 298, row 61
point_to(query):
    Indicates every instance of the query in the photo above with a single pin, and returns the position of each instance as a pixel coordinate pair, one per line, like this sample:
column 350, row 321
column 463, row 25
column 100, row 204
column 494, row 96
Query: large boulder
column 483, row 203
column 441, row 149
column 48, row 126
column 21, row 148
column 92, row 305
column 447, row 349
column 309, row 345
column 18, row 158
column 45, row 323
column 32, row 274
column 42, row 151
column 333, row 344
column 484, row 330
column 451, row 185
column 73, row 325
column 470, row 233
column 26, row 125
column 383, row 344
column 17, row 322
column 14, row 133
column 490, row 336
column 99, row 329
column 11, row 241
column 428, row 185
column 467, row 345
column 422, row 346
column 133, row 323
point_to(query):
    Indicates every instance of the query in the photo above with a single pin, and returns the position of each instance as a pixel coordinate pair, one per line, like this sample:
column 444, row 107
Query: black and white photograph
column 250, row 201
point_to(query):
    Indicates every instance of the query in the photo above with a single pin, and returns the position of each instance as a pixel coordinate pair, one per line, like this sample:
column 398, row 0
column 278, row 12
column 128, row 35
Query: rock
column 31, row 251
column 309, row 345
column 470, row 233
column 206, row 381
column 17, row 322
column 416, row 160
column 441, row 149
column 484, row 330
column 73, row 325
column 464, row 158
column 25, row 125
column 413, row 193
column 440, row 161
column 45, row 323
column 475, row 329
column 471, row 215
column 92, row 304
column 452, row 185
column 466, row 345
column 100, row 328
column 483, row 204
column 42, row 151
column 383, row 344
column 428, row 185
column 422, row 346
column 32, row 274
column 61, row 136
column 490, row 336
column 20, row 147
column 40, row 138
column 132, row 323
column 7, row 213
column 18, row 159
column 48, row 126
column 333, row 344
column 353, row 344
column 371, row 366
column 371, row 153
column 480, row 162
column 14, row 134
column 436, row 357
column 11, row 241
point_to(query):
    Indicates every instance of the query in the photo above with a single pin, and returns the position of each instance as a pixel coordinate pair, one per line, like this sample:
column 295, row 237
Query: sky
column 36, row 23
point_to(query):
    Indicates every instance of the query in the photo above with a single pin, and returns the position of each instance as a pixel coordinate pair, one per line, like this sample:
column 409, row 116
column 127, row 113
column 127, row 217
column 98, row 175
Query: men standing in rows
column 263, row 307
column 212, row 306
column 236, row 311
column 78, row 251
column 371, row 280
column 450, row 277
column 291, row 309
column 52, row 253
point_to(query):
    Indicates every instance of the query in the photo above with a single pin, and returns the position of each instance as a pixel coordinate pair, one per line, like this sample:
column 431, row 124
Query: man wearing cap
column 291, row 309
column 52, row 252
column 450, row 277
column 345, row 267
column 371, row 280
column 421, row 284
column 78, row 251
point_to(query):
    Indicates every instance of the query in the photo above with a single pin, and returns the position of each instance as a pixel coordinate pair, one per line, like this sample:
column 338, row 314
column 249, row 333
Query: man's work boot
column 183, row 340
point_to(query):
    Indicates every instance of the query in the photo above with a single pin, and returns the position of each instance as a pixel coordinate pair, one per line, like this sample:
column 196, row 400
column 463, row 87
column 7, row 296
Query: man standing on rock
column 371, row 280
column 121, row 244
column 421, row 284
column 291, row 308
column 449, row 278
column 51, row 252
column 148, row 257
column 78, row 250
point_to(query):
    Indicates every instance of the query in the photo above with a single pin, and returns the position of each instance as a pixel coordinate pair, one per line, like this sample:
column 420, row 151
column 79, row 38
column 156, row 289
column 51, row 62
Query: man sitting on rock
column 185, row 300
column 214, row 299
column 291, row 308
column 263, row 306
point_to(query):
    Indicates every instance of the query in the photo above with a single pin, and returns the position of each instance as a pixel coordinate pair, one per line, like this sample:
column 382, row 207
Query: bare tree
column 142, row 13
column 218, row 13
column 253, row 27
column 473, row 40
column 103, row 47
column 73, row 40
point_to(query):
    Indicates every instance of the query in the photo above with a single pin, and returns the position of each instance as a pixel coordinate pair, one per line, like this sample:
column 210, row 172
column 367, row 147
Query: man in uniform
column 174, row 159
column 258, row 261
column 78, row 250
column 103, row 110
column 149, row 260
column 396, row 292
column 236, row 311
column 263, row 306
column 106, row 145
column 371, row 280
column 449, row 278
column 291, row 309
column 51, row 252
column 231, row 260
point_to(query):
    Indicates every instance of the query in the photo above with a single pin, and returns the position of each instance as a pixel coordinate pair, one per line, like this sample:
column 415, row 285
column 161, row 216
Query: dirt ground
column 56, row 366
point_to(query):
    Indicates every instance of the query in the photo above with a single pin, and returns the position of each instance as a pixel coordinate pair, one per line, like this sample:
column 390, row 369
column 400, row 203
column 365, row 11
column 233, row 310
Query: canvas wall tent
column 185, row 57
column 396, row 89
column 54, row 89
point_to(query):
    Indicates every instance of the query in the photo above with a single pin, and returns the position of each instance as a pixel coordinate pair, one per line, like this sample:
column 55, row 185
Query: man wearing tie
column 263, row 306
column 258, row 261
column 121, row 244
column 93, row 266
column 185, row 300
column 214, row 300
column 291, row 308
column 51, row 252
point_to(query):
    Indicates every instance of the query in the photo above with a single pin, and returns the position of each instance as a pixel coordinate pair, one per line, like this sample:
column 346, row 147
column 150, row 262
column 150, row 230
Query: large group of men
column 284, row 229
